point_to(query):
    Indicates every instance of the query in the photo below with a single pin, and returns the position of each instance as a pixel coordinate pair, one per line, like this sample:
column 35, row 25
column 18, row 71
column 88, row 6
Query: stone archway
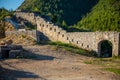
column 105, row 48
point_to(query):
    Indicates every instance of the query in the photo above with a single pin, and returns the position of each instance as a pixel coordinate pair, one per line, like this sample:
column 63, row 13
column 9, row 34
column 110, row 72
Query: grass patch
column 69, row 47
column 108, row 64
column 60, row 44
column 114, row 70
column 88, row 62
column 116, row 57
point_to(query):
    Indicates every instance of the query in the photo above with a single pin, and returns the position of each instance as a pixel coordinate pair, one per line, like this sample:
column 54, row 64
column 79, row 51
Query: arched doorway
column 105, row 49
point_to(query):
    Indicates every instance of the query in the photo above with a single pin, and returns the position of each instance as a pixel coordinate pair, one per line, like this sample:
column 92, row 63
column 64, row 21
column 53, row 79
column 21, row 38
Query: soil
column 46, row 63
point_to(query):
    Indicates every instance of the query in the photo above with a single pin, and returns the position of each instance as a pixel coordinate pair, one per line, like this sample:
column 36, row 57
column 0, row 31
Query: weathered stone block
column 15, row 47
column 15, row 53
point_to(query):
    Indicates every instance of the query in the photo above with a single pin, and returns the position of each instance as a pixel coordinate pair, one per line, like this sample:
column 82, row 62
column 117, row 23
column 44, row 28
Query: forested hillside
column 4, row 13
column 85, row 15
column 105, row 16
column 60, row 11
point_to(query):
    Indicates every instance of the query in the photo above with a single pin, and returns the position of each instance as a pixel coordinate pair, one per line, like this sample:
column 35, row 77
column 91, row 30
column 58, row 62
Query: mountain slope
column 68, row 11
column 104, row 16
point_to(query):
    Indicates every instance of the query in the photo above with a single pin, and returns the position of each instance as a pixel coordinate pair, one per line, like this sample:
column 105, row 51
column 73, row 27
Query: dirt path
column 53, row 65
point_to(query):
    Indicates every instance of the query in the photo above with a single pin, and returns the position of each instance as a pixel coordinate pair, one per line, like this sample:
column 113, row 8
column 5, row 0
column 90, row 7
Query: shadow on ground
column 7, row 74
column 34, row 55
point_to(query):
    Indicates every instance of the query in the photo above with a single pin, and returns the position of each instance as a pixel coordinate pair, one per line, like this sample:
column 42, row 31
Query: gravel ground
column 46, row 63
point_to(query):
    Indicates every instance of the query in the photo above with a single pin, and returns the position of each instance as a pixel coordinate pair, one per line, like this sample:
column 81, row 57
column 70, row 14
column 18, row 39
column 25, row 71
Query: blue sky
column 10, row 4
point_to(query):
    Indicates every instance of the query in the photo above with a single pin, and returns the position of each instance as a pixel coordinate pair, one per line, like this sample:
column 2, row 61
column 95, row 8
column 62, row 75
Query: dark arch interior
column 5, row 54
column 105, row 49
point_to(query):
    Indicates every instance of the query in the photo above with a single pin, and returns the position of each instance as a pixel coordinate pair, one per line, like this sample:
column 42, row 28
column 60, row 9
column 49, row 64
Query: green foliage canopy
column 105, row 16
column 70, row 11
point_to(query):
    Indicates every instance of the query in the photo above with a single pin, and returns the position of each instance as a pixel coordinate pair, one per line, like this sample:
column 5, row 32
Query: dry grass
column 20, row 39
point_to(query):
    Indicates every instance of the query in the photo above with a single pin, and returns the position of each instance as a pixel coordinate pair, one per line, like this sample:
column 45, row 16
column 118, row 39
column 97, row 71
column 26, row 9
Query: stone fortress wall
column 27, row 16
column 86, row 40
